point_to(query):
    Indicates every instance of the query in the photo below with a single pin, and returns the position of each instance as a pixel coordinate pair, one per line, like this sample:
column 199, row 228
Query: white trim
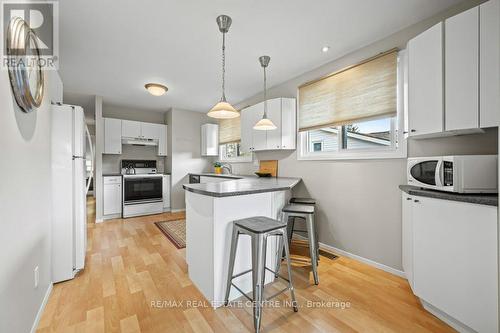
column 42, row 307
column 99, row 220
column 370, row 262
column 457, row 325
column 178, row 210
column 110, row 217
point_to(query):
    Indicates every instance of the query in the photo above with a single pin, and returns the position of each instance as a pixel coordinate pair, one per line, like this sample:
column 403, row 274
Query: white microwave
column 459, row 173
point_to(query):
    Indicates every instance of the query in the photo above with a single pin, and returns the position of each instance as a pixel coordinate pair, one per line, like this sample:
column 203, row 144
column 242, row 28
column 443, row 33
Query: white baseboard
column 370, row 262
column 462, row 328
column 178, row 210
column 42, row 307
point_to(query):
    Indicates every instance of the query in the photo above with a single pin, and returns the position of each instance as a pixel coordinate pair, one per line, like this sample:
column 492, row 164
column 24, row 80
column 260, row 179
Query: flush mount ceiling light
column 265, row 124
column 156, row 89
column 325, row 49
column 223, row 110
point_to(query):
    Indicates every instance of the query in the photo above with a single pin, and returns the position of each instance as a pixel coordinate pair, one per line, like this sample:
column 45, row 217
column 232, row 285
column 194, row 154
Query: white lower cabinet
column 112, row 201
column 407, row 237
column 166, row 192
column 450, row 253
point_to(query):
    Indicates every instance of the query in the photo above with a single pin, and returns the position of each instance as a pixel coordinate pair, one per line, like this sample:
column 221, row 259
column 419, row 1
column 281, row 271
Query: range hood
column 139, row 142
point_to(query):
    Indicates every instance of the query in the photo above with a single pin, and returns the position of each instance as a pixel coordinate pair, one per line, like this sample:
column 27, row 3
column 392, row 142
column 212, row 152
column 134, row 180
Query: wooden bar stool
column 307, row 213
column 259, row 229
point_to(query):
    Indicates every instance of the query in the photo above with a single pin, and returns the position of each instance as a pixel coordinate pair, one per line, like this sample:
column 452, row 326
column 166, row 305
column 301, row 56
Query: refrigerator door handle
column 92, row 159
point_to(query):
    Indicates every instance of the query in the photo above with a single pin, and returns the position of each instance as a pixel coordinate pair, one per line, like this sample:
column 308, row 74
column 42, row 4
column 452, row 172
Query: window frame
column 238, row 159
column 398, row 148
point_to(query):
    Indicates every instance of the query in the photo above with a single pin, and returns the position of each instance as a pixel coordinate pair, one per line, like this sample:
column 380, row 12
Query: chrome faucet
column 228, row 167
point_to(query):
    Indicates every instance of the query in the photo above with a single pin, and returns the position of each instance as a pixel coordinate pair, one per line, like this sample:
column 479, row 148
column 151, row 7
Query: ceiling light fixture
column 223, row 110
column 156, row 89
column 265, row 124
column 325, row 49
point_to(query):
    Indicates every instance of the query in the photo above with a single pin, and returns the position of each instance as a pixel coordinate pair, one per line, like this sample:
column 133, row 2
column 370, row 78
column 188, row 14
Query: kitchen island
column 210, row 210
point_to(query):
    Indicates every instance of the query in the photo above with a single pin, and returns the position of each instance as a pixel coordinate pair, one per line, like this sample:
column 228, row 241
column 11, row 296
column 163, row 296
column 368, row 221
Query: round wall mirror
column 24, row 65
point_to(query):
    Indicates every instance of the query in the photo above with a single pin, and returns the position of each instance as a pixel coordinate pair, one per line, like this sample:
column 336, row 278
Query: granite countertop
column 241, row 185
column 480, row 199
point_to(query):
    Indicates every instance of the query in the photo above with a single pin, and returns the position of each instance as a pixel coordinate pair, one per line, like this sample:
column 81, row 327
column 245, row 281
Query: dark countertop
column 241, row 185
column 480, row 199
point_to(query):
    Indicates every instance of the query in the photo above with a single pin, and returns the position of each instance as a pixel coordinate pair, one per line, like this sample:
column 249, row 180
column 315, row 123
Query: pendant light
column 265, row 124
column 223, row 110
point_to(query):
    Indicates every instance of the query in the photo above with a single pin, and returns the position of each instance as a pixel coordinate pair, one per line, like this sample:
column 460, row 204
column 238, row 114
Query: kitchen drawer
column 112, row 180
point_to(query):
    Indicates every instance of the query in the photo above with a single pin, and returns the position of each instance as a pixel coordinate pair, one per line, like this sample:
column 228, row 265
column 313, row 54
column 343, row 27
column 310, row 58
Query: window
column 231, row 152
column 317, row 146
column 356, row 113
column 229, row 139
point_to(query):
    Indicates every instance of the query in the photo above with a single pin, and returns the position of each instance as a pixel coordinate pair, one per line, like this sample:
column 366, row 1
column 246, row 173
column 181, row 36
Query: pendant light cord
column 265, row 94
column 223, row 99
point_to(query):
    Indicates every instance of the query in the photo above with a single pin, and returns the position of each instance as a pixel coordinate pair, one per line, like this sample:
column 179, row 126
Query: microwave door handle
column 439, row 173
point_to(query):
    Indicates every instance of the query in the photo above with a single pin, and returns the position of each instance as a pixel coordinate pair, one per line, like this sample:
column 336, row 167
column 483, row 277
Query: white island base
column 209, row 223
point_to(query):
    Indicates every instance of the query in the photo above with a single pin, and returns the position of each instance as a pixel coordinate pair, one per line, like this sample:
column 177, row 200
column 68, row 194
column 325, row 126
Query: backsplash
column 111, row 163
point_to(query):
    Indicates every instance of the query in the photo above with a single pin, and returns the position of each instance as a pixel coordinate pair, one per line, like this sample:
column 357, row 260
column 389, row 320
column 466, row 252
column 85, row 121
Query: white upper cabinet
column 209, row 140
column 282, row 113
column 288, row 123
column 489, row 63
column 151, row 131
column 112, row 136
column 274, row 114
column 259, row 138
column 162, row 141
column 462, row 71
column 247, row 116
column 131, row 129
column 425, row 81
column 142, row 130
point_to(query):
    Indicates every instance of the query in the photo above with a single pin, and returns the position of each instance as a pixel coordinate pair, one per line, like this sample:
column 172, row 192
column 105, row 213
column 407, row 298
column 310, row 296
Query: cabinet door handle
column 413, row 130
column 408, row 198
column 416, row 200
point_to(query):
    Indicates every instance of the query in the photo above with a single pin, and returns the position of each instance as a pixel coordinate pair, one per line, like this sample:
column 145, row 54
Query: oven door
column 424, row 172
column 142, row 189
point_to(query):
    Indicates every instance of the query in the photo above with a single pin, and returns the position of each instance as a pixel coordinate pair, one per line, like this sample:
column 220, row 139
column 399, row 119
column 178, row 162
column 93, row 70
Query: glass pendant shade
column 265, row 124
column 223, row 110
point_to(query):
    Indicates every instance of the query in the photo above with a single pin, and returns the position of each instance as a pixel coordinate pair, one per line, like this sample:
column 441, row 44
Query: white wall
column 359, row 203
column 25, row 205
column 185, row 157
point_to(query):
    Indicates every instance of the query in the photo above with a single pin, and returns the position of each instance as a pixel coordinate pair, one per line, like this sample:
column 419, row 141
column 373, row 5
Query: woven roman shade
column 230, row 130
column 360, row 92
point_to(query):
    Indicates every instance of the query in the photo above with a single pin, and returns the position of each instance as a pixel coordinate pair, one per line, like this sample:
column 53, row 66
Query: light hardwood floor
column 130, row 265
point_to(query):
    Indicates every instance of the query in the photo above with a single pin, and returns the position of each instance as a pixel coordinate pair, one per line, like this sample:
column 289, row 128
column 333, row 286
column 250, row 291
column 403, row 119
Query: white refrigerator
column 69, row 191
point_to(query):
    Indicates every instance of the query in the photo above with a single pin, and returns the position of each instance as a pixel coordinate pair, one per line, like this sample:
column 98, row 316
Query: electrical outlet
column 36, row 276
